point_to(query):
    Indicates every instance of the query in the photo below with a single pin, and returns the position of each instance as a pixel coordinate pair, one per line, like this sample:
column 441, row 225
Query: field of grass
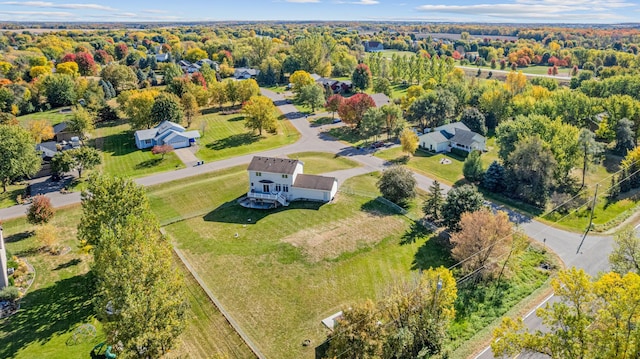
column 323, row 162
column 8, row 199
column 121, row 157
column 53, row 116
column 429, row 163
column 58, row 301
column 291, row 277
column 533, row 70
column 225, row 136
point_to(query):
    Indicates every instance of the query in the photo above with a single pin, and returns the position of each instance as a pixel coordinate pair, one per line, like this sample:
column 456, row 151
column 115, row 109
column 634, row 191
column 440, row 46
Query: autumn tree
column 18, row 157
column 299, row 79
column 460, row 200
column 195, row 54
column 433, row 204
column 626, row 252
column 352, row 109
column 592, row 319
column 361, row 77
column 484, row 238
column 357, row 333
column 167, row 107
column 41, row 211
column 137, row 107
column 161, row 150
column 139, row 294
column 516, row 82
column 333, row 104
column 409, row 141
column 40, row 130
column 260, row 113
column 433, row 109
column 398, row 185
column 86, row 63
column 81, row 122
column 121, row 77
column 48, row 236
column 190, row 106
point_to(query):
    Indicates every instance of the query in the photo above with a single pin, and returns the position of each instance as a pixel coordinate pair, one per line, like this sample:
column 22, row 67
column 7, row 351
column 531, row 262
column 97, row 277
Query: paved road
column 590, row 254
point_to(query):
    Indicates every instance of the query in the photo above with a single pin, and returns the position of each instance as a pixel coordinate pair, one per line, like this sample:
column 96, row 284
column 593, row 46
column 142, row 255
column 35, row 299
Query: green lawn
column 225, row 136
column 429, row 164
column 323, row 162
column 533, row 70
column 121, row 157
column 53, row 116
column 58, row 301
column 8, row 199
column 389, row 53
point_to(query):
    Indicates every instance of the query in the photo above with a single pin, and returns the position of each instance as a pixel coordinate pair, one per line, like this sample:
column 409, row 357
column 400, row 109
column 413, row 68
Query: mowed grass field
column 54, row 116
column 292, row 267
column 225, row 136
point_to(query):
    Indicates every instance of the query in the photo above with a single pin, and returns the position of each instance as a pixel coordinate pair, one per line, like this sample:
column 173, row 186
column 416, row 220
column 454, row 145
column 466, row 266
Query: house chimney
column 4, row 280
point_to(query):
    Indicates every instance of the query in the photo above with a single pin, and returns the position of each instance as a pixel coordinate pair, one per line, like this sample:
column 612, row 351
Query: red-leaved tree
column 41, row 210
column 352, row 109
column 162, row 150
column 102, row 57
column 86, row 63
column 68, row 58
column 121, row 50
column 333, row 104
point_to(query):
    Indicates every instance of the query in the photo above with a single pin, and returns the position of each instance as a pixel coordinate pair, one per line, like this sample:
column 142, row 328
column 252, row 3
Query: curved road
column 590, row 254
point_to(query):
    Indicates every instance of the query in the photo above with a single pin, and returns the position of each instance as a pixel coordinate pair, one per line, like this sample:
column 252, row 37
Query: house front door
column 266, row 188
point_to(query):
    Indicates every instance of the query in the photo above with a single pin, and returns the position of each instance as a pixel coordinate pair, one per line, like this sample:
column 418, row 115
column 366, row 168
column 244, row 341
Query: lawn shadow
column 433, row 253
column 321, row 121
column 345, row 133
column 47, row 312
column 612, row 162
column 118, row 144
column 68, row 264
column 232, row 212
column 402, row 160
column 148, row 163
column 416, row 232
column 236, row 119
column 28, row 252
column 377, row 207
column 18, row 236
column 241, row 139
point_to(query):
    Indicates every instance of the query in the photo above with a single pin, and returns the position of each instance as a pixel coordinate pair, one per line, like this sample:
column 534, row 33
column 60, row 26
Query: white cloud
column 303, row 1
column 155, row 11
column 557, row 10
column 47, row 4
column 359, row 2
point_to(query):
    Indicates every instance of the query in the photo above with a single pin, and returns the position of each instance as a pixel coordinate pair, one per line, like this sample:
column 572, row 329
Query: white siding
column 276, row 178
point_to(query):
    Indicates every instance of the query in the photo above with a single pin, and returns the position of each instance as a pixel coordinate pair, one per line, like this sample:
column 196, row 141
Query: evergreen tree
column 472, row 168
column 625, row 183
column 614, row 189
column 434, row 201
column 625, row 137
column 493, row 178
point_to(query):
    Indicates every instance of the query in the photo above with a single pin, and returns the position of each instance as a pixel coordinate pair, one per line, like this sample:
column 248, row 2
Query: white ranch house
column 276, row 182
column 166, row 133
column 452, row 135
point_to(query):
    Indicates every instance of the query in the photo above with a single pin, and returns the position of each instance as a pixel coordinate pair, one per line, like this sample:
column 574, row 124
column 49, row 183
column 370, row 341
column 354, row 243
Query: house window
column 258, row 174
column 285, row 176
column 147, row 142
column 278, row 188
column 285, row 188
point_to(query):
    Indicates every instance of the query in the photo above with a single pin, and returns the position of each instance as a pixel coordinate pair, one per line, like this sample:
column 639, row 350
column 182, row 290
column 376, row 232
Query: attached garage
column 315, row 188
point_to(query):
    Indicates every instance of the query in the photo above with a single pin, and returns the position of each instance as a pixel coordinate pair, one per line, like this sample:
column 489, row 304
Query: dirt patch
column 348, row 235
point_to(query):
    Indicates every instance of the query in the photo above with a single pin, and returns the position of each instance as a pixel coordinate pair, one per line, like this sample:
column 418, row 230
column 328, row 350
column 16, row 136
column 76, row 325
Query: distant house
column 380, row 99
column 62, row 133
column 243, row 73
column 162, row 57
column 276, row 182
column 47, row 149
column 166, row 133
column 452, row 135
column 373, row 46
column 335, row 85
column 213, row 64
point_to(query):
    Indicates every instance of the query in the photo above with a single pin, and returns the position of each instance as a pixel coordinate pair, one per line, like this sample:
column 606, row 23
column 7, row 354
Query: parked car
column 336, row 120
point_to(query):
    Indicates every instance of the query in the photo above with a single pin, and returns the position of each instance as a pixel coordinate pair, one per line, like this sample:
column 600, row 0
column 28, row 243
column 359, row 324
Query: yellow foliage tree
column 409, row 141
column 516, row 82
column 301, row 78
column 40, row 130
column 38, row 71
column 69, row 68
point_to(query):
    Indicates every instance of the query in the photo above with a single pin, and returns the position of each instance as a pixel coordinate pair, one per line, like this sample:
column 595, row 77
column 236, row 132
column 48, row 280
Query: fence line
column 216, row 302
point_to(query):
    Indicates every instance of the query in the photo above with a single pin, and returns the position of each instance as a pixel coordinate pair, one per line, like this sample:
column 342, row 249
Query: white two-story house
column 275, row 182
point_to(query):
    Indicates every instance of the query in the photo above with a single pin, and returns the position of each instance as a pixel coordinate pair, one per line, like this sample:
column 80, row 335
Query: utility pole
column 593, row 208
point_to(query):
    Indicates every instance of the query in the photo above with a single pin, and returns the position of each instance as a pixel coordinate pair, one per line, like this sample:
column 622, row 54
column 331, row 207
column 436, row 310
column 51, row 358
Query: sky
column 493, row 11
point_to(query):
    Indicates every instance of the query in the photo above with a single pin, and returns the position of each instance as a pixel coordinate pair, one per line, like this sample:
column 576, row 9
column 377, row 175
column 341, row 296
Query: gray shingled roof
column 380, row 99
column 273, row 165
column 463, row 137
column 57, row 128
column 320, row 183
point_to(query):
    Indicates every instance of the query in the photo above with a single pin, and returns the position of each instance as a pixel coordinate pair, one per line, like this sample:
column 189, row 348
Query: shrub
column 41, row 210
column 459, row 152
column 9, row 293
